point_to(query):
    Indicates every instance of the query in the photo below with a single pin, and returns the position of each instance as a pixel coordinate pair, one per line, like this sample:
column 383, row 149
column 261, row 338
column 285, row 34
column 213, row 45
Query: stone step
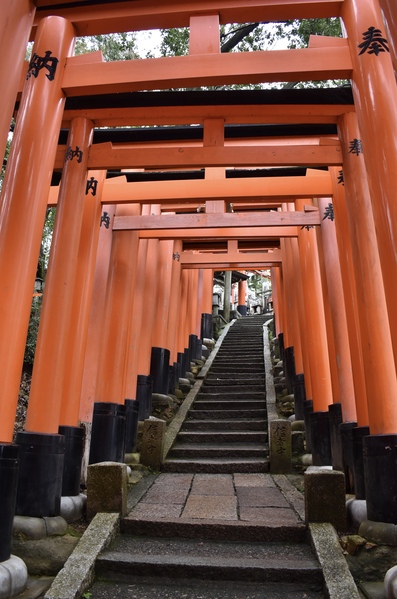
column 245, row 382
column 155, row 588
column 227, row 365
column 254, row 378
column 208, row 560
column 222, row 437
column 226, row 413
column 241, row 450
column 226, row 424
column 234, row 391
column 216, row 465
column 229, row 396
column 227, row 404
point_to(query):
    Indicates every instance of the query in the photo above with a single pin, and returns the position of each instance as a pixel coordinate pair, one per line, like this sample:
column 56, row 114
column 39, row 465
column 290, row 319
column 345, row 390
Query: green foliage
column 116, row 46
column 174, row 42
column 33, row 330
column 297, row 33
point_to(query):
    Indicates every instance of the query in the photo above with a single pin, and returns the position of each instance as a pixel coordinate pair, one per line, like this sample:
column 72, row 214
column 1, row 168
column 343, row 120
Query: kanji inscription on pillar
column 92, row 185
column 356, row 147
column 37, row 63
column 373, row 42
column 105, row 220
column 280, row 446
column 77, row 153
column 329, row 212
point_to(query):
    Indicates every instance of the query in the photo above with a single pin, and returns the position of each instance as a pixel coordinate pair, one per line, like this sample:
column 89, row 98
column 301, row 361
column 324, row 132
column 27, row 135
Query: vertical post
column 15, row 25
column 24, row 202
column 375, row 96
column 206, row 315
column 242, row 298
column 175, row 300
column 226, row 295
column 50, row 367
column 390, row 19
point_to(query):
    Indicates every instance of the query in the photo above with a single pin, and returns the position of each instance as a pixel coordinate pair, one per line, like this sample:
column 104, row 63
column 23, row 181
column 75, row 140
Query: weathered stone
column 325, row 496
column 45, row 557
column 153, row 443
column 13, row 577
column 356, row 512
column 107, row 488
column 383, row 533
column 297, row 442
column 298, row 425
column 280, row 446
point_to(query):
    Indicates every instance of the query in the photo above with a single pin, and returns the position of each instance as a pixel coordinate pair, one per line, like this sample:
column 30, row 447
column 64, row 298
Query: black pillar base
column 242, row 309
column 206, row 326
column 345, row 430
column 281, row 345
column 192, row 347
column 320, row 439
column 131, row 424
column 40, row 474
column 335, row 419
column 181, row 362
column 74, row 447
column 144, row 390
column 108, row 433
column 299, row 395
column 358, row 433
column 380, row 472
column 289, row 368
column 9, row 466
column 159, row 369
column 307, row 410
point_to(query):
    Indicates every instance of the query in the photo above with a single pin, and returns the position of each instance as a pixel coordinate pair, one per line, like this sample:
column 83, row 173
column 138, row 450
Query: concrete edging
column 77, row 575
column 204, row 371
column 339, row 582
column 270, row 391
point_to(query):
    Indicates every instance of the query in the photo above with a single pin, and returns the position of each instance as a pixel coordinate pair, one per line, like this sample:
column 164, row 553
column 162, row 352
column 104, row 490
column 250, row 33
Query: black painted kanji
column 92, row 185
column 43, row 62
column 374, row 42
column 176, row 256
column 341, row 178
column 105, row 220
column 77, row 153
column 329, row 212
column 355, row 147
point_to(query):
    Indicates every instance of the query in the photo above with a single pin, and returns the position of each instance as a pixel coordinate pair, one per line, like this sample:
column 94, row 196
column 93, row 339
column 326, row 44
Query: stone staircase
column 215, row 524
column 226, row 429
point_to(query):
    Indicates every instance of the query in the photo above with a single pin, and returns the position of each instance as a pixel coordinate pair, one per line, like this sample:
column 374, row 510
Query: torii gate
column 55, row 85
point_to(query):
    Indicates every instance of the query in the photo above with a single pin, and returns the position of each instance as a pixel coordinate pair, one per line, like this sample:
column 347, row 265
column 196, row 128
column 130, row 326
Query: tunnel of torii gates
column 155, row 190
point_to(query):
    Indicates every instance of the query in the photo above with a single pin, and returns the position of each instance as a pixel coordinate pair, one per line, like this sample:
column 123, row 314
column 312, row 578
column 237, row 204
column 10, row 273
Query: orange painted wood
column 75, row 351
column 376, row 341
column 375, row 94
column 164, row 267
column 51, row 366
column 229, row 259
column 173, row 312
column 388, row 9
column 315, row 319
column 96, row 319
column 104, row 156
column 207, row 69
column 150, row 14
column 204, row 34
column 137, row 324
column 173, row 115
column 110, row 384
column 338, row 315
column 15, row 25
column 350, row 299
column 23, row 207
column 219, row 233
column 241, row 191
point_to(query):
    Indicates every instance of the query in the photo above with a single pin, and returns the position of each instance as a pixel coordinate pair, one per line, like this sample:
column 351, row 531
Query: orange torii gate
column 56, row 87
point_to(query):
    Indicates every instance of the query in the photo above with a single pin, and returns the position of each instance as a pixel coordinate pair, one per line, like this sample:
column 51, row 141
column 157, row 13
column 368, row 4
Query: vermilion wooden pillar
column 137, row 323
column 173, row 312
column 375, row 96
column 337, row 308
column 164, row 268
column 50, row 365
column 242, row 298
column 388, row 8
column 97, row 316
column 277, row 293
column 150, row 302
column 315, row 319
column 206, row 306
column 287, row 328
column 380, row 375
column 15, row 25
column 350, row 296
column 82, row 299
column 24, row 202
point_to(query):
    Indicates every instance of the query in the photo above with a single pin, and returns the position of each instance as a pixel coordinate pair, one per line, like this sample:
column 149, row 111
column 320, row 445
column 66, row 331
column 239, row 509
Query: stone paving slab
column 261, row 497
column 206, row 484
column 207, row 507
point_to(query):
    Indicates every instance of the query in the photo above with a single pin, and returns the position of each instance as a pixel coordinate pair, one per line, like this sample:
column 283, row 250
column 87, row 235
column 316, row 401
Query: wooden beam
column 217, row 220
column 190, row 194
column 265, row 233
column 105, row 156
column 242, row 114
column 113, row 17
column 206, row 69
column 231, row 260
